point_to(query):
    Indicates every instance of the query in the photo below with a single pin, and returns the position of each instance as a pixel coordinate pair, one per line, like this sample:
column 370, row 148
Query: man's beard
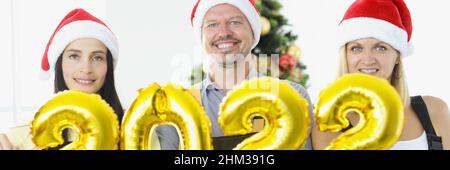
column 228, row 61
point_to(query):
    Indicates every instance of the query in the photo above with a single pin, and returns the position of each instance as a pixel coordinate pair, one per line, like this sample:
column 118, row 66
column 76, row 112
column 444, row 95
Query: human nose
column 225, row 31
column 86, row 66
column 367, row 57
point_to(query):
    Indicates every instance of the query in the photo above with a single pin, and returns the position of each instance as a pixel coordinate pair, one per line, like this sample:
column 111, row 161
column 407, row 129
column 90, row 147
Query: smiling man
column 227, row 30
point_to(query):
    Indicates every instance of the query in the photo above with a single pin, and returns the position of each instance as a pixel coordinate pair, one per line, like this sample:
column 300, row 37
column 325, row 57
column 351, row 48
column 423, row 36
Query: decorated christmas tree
column 276, row 47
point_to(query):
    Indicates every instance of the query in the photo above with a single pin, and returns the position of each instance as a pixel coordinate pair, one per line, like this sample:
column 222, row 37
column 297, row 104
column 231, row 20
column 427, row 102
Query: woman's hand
column 5, row 144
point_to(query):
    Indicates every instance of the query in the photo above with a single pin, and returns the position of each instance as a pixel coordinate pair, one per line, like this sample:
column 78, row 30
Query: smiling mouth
column 225, row 46
column 369, row 71
column 84, row 81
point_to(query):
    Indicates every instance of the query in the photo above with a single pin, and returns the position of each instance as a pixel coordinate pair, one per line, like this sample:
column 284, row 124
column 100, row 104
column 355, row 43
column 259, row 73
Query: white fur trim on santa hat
column 363, row 27
column 77, row 30
column 246, row 8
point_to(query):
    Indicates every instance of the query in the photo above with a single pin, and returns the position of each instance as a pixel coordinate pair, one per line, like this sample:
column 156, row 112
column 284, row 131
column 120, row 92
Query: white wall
column 157, row 45
column 6, row 94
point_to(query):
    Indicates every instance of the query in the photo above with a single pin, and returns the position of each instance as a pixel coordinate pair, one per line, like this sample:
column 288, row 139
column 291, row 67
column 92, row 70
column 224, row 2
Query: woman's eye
column 98, row 58
column 73, row 57
column 356, row 49
column 381, row 48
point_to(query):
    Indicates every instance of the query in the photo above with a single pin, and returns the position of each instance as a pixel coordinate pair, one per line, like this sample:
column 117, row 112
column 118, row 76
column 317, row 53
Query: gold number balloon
column 379, row 107
column 171, row 105
column 88, row 115
column 284, row 110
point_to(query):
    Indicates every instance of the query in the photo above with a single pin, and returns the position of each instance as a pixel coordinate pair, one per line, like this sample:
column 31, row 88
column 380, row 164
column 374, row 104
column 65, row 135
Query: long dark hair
column 108, row 90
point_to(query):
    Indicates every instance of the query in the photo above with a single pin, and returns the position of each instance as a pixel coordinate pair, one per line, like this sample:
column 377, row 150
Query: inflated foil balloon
column 88, row 115
column 171, row 105
column 379, row 107
column 284, row 110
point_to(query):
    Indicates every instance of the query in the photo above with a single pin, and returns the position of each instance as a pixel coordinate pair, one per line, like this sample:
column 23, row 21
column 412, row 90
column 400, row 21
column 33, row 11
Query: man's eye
column 235, row 22
column 212, row 25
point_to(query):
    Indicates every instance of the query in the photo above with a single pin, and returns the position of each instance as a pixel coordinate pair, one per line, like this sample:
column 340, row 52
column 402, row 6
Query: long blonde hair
column 398, row 77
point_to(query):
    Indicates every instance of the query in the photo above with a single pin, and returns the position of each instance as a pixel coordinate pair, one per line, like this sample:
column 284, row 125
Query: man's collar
column 209, row 84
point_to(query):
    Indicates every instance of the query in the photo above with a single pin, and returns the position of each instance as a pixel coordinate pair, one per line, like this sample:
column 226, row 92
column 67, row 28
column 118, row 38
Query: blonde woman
column 374, row 38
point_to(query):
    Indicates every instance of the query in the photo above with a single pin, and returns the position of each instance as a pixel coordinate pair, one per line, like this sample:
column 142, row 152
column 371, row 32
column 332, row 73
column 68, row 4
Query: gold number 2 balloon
column 92, row 119
column 284, row 110
column 379, row 107
column 171, row 105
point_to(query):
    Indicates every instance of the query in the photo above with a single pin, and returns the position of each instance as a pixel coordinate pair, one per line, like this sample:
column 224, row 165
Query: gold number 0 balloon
column 88, row 115
column 168, row 105
column 285, row 112
column 379, row 107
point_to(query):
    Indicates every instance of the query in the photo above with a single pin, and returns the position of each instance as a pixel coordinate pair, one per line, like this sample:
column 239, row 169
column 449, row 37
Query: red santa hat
column 75, row 25
column 247, row 7
column 386, row 20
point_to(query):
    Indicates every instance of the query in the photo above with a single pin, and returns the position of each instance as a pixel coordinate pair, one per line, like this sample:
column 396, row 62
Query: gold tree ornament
column 295, row 51
column 265, row 26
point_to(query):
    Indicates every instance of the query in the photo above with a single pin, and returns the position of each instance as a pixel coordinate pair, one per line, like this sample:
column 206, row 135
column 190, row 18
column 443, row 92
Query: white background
column 157, row 45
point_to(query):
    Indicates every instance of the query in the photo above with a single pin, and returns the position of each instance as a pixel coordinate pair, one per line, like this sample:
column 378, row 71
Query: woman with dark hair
column 83, row 53
column 107, row 91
